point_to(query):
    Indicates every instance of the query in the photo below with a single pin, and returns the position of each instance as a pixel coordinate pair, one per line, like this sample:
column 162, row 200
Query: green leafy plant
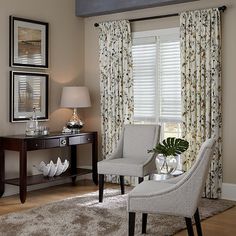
column 171, row 147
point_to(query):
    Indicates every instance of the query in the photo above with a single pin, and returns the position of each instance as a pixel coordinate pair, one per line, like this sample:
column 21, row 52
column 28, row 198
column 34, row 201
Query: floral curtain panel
column 201, row 89
column 116, row 82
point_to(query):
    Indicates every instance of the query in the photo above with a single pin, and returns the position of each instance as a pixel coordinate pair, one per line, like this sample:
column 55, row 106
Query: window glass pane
column 171, row 130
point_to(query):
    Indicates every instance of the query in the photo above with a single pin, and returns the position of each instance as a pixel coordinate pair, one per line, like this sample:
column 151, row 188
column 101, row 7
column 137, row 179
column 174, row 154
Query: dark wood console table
column 22, row 144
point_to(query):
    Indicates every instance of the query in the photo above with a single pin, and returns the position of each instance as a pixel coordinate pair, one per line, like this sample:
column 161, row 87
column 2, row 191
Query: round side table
column 159, row 176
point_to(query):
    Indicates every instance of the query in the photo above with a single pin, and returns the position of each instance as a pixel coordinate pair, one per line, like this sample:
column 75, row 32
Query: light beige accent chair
column 131, row 157
column 178, row 196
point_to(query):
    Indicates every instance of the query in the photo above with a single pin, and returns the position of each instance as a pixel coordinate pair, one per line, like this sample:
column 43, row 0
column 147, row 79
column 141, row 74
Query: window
column 157, row 85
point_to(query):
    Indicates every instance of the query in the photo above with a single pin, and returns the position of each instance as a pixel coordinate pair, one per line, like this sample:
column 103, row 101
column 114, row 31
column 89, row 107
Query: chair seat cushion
column 150, row 187
column 122, row 166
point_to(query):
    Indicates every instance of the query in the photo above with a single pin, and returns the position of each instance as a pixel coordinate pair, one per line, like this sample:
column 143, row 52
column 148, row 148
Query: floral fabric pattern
column 116, row 81
column 201, row 89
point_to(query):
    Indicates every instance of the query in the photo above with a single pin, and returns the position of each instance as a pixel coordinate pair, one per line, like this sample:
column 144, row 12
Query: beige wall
column 66, row 44
column 228, row 77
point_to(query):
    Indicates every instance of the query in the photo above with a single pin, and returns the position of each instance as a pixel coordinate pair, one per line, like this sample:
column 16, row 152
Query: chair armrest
column 157, row 193
column 155, row 142
column 114, row 155
column 149, row 159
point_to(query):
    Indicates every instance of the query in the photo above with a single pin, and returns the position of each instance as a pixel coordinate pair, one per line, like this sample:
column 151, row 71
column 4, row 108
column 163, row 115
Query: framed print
column 27, row 91
column 28, row 43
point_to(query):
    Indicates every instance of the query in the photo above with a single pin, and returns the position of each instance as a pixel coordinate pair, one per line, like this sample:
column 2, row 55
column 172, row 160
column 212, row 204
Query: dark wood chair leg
column 198, row 223
column 189, row 226
column 144, row 223
column 131, row 223
column 140, row 179
column 122, row 184
column 101, row 186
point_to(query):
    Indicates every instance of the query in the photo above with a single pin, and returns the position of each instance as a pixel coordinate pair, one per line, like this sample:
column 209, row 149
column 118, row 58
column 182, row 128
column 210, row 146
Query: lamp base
column 75, row 124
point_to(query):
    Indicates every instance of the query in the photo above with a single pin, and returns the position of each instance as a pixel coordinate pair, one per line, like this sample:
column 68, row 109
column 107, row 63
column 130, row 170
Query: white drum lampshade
column 75, row 97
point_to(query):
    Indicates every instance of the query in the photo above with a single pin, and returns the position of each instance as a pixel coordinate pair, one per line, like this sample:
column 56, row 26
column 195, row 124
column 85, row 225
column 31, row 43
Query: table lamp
column 75, row 97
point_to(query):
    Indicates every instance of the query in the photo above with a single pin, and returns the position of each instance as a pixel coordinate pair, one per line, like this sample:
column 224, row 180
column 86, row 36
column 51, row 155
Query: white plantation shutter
column 144, row 73
column 157, row 84
column 169, row 81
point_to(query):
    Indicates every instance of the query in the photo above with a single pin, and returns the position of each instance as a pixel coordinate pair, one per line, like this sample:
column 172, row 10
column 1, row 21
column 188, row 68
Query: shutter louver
column 144, row 74
column 169, row 81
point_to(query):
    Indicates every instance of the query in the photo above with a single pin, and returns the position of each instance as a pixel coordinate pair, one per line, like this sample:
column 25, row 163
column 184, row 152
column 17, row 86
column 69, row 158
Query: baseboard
column 12, row 190
column 229, row 191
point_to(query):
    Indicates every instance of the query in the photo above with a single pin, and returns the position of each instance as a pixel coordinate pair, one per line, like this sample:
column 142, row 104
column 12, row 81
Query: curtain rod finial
column 223, row 8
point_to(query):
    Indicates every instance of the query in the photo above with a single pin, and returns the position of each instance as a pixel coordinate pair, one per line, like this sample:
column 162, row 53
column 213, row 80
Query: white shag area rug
column 84, row 216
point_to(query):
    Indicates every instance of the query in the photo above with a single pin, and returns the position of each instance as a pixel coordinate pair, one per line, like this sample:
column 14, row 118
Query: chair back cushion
column 194, row 181
column 138, row 139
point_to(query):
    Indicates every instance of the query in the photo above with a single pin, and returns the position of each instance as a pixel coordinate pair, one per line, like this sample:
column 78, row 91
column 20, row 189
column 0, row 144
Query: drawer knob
column 63, row 142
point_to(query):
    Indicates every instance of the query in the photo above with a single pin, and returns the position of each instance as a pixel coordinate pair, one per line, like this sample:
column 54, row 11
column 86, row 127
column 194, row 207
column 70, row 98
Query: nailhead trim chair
column 178, row 196
column 130, row 157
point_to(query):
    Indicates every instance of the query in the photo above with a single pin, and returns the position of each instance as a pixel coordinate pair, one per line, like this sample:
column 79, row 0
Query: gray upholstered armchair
column 178, row 196
column 130, row 157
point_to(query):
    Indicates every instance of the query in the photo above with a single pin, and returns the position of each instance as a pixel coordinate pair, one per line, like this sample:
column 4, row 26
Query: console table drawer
column 86, row 139
column 35, row 144
column 74, row 140
column 52, row 143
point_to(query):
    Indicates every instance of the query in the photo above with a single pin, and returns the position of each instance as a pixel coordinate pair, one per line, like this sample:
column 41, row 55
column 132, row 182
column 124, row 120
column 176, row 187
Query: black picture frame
column 28, row 43
column 28, row 90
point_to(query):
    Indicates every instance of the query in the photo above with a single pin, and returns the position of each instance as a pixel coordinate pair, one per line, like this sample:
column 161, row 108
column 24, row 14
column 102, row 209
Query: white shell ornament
column 52, row 169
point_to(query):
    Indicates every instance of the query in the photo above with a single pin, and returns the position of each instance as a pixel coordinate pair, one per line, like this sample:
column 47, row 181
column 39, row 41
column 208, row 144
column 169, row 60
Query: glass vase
column 166, row 165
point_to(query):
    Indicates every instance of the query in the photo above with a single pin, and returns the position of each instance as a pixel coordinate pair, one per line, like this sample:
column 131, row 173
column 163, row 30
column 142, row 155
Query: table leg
column 73, row 162
column 95, row 159
column 23, row 174
column 2, row 172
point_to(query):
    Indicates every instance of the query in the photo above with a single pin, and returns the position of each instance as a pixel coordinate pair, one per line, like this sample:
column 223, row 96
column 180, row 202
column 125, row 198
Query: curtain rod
column 222, row 8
